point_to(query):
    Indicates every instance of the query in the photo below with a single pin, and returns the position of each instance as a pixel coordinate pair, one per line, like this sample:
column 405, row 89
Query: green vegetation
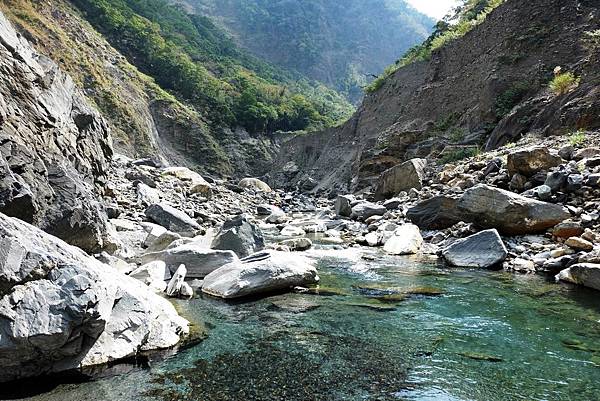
column 191, row 57
column 563, row 83
column 467, row 16
column 459, row 154
column 339, row 43
column 508, row 99
column 577, row 139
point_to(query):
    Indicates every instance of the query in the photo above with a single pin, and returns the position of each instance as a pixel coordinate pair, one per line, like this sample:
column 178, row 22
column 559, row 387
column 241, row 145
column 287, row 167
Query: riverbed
column 379, row 328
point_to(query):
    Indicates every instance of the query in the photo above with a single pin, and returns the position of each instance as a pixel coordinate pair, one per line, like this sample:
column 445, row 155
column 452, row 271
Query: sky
column 434, row 8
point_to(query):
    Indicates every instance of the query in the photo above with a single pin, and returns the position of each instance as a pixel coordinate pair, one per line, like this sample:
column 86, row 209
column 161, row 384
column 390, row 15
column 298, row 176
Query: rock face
column 586, row 274
column 62, row 309
column 406, row 240
column 55, row 147
column 172, row 219
column 482, row 250
column 403, row 177
column 262, row 273
column 531, row 160
column 240, row 236
column 510, row 213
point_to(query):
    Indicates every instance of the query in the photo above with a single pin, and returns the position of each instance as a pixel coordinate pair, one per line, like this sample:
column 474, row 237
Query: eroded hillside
column 477, row 92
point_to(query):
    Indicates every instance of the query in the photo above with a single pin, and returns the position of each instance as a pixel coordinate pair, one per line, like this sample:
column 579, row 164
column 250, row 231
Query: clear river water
column 380, row 328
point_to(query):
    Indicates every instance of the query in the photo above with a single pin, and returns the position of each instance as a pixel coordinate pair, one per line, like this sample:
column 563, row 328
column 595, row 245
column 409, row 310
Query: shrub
column 459, row 154
column 578, row 138
column 508, row 99
column 563, row 83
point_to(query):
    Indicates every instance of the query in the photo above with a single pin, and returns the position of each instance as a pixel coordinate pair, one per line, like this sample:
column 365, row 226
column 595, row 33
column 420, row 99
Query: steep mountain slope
column 55, row 148
column 479, row 91
column 339, row 43
column 221, row 101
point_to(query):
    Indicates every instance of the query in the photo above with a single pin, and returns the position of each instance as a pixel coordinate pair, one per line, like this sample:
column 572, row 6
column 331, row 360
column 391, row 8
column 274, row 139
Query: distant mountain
column 340, row 43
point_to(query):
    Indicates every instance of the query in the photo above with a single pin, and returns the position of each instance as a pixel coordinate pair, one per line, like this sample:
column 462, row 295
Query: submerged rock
column 240, row 236
column 483, row 250
column 262, row 273
column 62, row 309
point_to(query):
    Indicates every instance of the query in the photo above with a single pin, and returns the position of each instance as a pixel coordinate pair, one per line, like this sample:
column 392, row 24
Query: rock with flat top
column 259, row 274
column 482, row 250
column 403, row 177
column 172, row 219
column 586, row 274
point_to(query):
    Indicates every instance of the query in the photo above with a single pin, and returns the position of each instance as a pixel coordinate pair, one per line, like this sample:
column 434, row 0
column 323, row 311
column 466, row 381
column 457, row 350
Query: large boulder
column 406, row 240
column 436, row 213
column 240, row 236
column 529, row 161
column 61, row 309
column 364, row 210
column 482, row 250
column 172, row 219
column 343, row 205
column 509, row 213
column 586, row 274
column 262, row 273
column 55, row 147
column 402, row 177
column 255, row 184
column 198, row 260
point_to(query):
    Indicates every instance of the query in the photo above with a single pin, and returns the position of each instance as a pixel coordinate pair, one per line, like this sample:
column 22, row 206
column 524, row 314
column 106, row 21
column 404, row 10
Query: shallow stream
column 382, row 328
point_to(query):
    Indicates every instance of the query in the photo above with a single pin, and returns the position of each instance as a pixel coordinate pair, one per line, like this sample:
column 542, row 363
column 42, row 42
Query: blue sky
column 434, row 8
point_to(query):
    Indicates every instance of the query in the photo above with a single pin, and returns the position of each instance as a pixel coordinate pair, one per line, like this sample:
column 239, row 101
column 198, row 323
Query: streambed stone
column 482, row 250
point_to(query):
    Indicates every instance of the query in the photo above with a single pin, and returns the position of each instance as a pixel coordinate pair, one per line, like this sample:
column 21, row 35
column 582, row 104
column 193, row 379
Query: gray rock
column 163, row 241
column 265, row 210
column 556, row 180
column 544, row 192
column 436, row 213
column 406, row 240
column 343, row 206
column 482, row 250
column 586, row 274
column 198, row 261
column 510, row 213
column 264, row 273
column 254, row 184
column 55, row 147
column 528, row 161
column 177, row 281
column 277, row 216
column 240, row 236
column 172, row 219
column 297, row 244
column 146, row 195
column 62, row 309
column 392, row 204
column 364, row 210
column 153, row 274
column 574, row 182
column 404, row 177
